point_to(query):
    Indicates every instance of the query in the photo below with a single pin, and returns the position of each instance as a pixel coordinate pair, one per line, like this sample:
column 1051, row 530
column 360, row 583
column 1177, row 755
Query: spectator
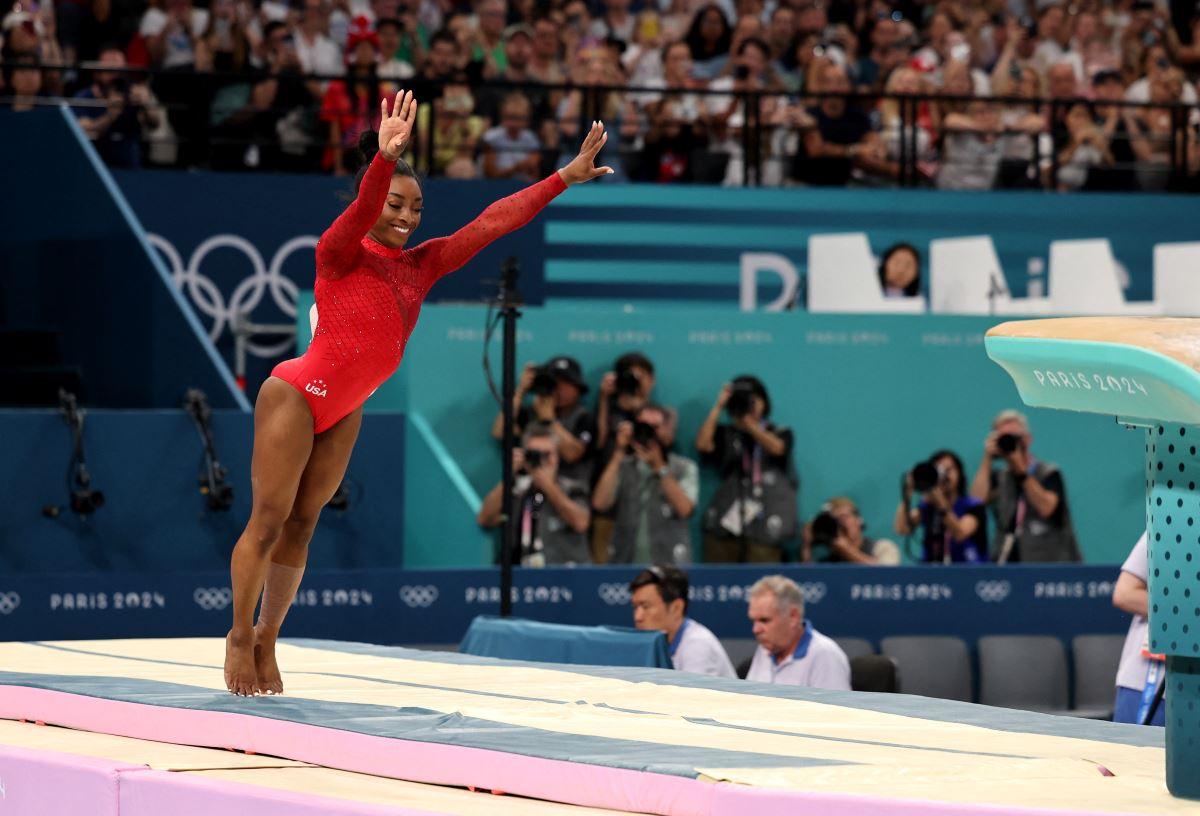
column 971, row 146
column 1027, row 496
column 171, row 35
column 842, row 138
column 669, row 151
column 442, row 61
column 457, row 131
column 900, row 271
column 510, row 149
column 616, row 22
column 116, row 127
column 518, row 51
column 1138, row 670
column 709, row 39
column 1150, row 130
column 1086, row 149
column 551, row 509
column 953, row 521
column 597, row 68
column 225, row 38
column 659, row 597
column 751, row 71
column 1107, row 88
column 643, row 59
column 752, row 515
column 389, row 31
column 317, row 52
column 487, row 42
column 576, row 30
column 652, row 492
column 285, row 106
column 545, row 64
column 351, row 105
column 790, row 650
column 1021, row 126
column 1154, row 65
column 904, row 81
column 887, row 54
column 836, row 535
column 23, row 82
column 557, row 388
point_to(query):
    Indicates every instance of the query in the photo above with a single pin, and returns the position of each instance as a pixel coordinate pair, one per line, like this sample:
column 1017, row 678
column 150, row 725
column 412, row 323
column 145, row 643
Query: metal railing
column 761, row 150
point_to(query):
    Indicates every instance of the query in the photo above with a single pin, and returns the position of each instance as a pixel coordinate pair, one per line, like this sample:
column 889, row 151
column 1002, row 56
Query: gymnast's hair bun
column 368, row 145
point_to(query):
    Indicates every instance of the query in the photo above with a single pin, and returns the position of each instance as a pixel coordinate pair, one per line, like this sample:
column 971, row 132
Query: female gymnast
column 369, row 290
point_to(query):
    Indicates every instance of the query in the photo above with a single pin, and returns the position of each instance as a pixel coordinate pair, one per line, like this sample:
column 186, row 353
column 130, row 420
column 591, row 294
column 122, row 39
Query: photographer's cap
column 567, row 368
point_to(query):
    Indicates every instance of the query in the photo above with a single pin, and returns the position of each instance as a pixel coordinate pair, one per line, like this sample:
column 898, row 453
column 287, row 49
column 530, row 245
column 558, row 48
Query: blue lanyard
column 1153, row 673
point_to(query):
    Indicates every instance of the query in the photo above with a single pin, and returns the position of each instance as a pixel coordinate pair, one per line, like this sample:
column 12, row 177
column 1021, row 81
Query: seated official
column 659, row 597
column 790, row 651
column 551, row 510
column 1139, row 672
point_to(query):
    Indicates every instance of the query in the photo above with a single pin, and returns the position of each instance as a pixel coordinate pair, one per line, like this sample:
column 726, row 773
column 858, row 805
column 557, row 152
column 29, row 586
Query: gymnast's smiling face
column 401, row 213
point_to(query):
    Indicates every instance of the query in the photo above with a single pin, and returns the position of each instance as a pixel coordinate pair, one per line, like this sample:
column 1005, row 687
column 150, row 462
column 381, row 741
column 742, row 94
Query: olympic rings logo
column 614, row 594
column 419, row 596
column 814, row 592
column 212, row 599
column 208, row 299
column 9, row 601
column 992, row 591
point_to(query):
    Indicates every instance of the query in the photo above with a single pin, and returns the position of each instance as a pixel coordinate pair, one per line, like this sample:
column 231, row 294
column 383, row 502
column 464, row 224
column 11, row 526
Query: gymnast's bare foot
column 240, row 677
column 269, row 681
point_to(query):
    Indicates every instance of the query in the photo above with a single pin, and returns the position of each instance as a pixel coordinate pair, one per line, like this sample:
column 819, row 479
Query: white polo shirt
column 817, row 662
column 1131, row 672
column 697, row 650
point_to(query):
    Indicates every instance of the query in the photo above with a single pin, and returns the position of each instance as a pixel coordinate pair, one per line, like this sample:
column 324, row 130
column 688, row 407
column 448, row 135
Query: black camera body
column 741, row 400
column 543, row 384
column 925, row 477
column 645, row 434
column 1008, row 443
column 628, row 383
column 534, row 459
column 825, row 527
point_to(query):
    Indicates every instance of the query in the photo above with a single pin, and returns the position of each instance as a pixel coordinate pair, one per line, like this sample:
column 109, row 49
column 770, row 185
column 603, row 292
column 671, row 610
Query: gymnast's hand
column 582, row 168
column 396, row 128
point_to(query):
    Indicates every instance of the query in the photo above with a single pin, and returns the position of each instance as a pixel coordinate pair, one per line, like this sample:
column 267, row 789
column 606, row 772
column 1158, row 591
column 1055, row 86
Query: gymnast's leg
column 283, row 440
column 324, row 472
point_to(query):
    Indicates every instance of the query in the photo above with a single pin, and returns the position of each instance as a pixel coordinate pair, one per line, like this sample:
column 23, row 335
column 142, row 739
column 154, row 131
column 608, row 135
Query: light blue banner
column 867, row 397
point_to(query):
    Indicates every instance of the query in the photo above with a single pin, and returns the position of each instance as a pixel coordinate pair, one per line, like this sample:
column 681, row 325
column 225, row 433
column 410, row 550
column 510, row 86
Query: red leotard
column 369, row 295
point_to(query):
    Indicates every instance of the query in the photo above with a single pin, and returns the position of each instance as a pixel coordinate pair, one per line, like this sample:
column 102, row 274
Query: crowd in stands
column 1009, row 93
column 616, row 485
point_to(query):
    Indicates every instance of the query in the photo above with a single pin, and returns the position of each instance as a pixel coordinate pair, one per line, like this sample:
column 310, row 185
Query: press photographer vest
column 1037, row 539
column 670, row 538
column 763, row 484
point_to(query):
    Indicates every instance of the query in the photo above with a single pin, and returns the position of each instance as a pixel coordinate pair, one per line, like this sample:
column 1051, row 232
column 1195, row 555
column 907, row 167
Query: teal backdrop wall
column 867, row 397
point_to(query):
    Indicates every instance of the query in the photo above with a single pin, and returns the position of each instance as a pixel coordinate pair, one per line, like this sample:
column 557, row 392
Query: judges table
column 516, row 639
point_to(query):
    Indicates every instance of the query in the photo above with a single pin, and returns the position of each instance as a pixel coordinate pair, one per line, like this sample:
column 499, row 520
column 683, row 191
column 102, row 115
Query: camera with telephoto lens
column 1008, row 443
column 926, row 476
column 825, row 528
column 741, row 400
column 534, row 459
column 543, row 384
column 628, row 383
column 645, row 434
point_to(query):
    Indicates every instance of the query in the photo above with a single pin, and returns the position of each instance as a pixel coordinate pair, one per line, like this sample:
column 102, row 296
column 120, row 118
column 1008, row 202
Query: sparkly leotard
column 369, row 296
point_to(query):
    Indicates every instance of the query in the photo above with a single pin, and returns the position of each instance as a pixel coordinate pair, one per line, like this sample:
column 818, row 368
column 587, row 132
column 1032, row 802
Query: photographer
column 651, row 491
column 836, row 535
column 954, row 523
column 556, row 388
column 551, row 509
column 753, row 513
column 623, row 392
column 1028, row 496
column 116, row 127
